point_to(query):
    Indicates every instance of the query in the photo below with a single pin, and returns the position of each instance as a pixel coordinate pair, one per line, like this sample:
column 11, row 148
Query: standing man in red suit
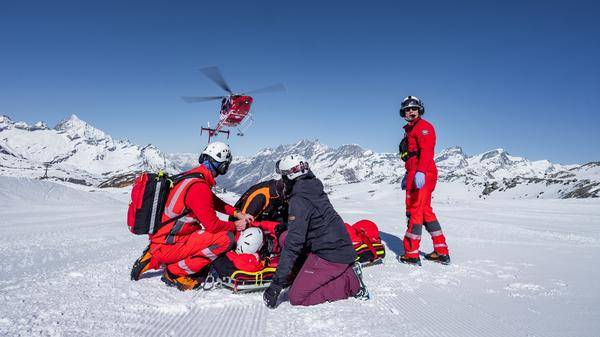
column 417, row 150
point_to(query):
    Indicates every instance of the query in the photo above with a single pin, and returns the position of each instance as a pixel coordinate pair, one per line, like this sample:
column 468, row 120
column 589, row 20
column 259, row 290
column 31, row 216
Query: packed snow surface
column 520, row 268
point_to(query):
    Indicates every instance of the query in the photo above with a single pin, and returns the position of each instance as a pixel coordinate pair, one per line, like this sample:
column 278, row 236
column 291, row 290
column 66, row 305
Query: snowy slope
column 520, row 268
column 17, row 192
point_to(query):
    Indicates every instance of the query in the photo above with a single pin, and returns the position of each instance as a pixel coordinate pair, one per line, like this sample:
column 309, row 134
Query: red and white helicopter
column 235, row 108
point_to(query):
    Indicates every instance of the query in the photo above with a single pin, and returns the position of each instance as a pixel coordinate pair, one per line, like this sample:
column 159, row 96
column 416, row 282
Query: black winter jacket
column 313, row 226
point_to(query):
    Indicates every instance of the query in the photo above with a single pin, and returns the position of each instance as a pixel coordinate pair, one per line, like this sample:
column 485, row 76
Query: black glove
column 280, row 228
column 271, row 294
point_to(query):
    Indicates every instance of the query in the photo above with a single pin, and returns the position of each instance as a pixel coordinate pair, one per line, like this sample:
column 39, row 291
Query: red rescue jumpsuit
column 420, row 135
column 194, row 241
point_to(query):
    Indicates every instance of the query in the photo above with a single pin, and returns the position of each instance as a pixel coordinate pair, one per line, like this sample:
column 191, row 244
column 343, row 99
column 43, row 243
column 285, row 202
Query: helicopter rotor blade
column 271, row 88
column 215, row 75
column 192, row 99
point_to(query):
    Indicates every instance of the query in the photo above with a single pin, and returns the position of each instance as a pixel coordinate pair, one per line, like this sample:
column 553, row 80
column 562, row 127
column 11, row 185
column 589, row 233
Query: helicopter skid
column 213, row 132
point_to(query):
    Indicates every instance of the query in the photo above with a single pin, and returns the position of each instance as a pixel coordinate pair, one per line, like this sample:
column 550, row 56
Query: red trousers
column 190, row 256
column 419, row 213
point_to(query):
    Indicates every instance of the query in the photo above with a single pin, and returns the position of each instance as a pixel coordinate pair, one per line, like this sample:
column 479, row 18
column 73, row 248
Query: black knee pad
column 232, row 242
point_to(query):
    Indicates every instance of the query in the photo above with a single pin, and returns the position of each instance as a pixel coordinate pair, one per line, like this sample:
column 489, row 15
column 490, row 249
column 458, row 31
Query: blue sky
column 523, row 76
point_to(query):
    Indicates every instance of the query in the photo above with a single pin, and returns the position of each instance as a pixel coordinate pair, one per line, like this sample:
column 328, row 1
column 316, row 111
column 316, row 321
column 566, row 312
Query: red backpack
column 148, row 198
column 369, row 233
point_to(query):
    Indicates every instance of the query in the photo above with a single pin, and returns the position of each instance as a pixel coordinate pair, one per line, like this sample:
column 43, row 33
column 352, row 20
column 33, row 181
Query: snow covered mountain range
column 488, row 173
column 73, row 151
column 77, row 152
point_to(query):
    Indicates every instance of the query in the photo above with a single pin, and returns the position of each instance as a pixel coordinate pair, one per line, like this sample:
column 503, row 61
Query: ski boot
column 363, row 292
column 439, row 258
column 141, row 265
column 415, row 261
column 182, row 283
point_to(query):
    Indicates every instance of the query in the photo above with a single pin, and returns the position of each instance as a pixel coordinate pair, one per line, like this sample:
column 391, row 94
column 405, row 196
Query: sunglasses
column 412, row 108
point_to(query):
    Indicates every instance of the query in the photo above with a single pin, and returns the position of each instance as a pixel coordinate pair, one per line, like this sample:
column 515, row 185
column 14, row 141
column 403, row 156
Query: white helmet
column 220, row 154
column 250, row 241
column 292, row 166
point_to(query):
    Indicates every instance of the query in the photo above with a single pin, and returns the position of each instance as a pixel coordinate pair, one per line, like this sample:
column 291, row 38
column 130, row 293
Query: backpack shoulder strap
column 188, row 176
column 365, row 238
column 176, row 179
column 182, row 176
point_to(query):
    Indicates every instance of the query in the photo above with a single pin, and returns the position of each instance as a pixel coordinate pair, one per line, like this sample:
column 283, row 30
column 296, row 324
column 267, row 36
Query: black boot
column 415, row 261
column 435, row 257
column 363, row 292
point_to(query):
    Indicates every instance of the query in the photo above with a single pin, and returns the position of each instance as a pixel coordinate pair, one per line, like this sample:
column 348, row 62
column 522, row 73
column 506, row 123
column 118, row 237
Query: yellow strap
column 255, row 274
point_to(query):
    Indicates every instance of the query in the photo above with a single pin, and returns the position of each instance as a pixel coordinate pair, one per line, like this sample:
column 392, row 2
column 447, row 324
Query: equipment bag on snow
column 148, row 198
column 367, row 242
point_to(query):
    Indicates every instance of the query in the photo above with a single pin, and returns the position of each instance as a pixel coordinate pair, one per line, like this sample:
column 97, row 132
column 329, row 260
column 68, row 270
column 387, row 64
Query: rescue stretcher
column 243, row 282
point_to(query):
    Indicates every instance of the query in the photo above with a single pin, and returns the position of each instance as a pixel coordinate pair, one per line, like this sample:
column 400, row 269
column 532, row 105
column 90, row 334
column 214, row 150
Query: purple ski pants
column 320, row 281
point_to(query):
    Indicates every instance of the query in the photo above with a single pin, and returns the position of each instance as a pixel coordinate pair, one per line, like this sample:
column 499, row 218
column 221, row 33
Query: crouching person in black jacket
column 314, row 228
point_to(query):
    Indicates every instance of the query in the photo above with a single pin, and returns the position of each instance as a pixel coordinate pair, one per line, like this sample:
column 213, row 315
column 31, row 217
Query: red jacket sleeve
column 222, row 206
column 426, row 142
column 201, row 201
column 265, row 225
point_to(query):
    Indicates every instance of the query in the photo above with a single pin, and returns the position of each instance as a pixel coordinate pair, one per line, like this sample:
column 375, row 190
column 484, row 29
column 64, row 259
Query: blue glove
column 403, row 183
column 419, row 179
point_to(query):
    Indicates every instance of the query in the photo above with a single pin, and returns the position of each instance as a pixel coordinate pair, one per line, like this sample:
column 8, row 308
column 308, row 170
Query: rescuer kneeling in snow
column 314, row 228
column 191, row 243
column 417, row 150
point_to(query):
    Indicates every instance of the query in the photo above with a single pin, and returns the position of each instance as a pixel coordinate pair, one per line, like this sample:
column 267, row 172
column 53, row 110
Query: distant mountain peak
column 75, row 151
column 350, row 150
column 70, row 122
column 5, row 119
column 5, row 122
column 77, row 128
column 455, row 150
column 494, row 153
column 308, row 143
column 41, row 125
column 452, row 158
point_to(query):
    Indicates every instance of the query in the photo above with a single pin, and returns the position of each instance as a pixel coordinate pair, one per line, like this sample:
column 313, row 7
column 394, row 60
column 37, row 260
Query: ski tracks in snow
column 65, row 272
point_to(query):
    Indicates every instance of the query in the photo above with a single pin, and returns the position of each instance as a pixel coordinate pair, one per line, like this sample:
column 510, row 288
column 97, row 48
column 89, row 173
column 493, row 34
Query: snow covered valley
column 520, row 268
